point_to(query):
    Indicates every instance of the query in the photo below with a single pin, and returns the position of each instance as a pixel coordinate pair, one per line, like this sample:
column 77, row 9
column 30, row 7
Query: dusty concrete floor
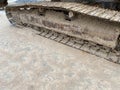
column 31, row 62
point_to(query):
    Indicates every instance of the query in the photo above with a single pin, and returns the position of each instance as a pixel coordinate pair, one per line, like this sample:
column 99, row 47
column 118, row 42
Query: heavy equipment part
column 110, row 4
column 85, row 27
column 3, row 3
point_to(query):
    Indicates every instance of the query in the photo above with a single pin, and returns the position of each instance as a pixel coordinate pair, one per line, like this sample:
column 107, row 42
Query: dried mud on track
column 31, row 62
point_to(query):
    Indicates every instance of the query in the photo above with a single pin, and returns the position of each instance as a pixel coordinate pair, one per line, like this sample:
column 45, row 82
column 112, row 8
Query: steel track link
column 80, row 8
column 83, row 45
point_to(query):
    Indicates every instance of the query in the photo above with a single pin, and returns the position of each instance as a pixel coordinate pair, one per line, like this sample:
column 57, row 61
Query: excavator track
column 27, row 15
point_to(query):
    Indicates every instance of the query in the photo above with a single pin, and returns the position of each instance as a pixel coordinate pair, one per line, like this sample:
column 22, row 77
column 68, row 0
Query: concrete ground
column 31, row 62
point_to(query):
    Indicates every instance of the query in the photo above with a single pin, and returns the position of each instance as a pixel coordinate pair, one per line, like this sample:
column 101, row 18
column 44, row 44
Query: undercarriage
column 84, row 27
